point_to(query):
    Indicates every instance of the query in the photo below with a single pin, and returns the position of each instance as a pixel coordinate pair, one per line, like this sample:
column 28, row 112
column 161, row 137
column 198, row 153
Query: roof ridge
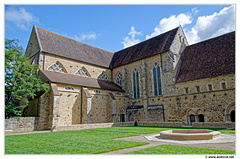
column 71, row 39
column 150, row 47
column 211, row 38
column 150, row 38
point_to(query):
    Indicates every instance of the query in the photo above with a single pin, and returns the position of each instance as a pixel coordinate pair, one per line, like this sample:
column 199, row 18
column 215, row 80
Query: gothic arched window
column 103, row 76
column 119, row 79
column 82, row 72
column 136, row 90
column 57, row 67
column 157, row 84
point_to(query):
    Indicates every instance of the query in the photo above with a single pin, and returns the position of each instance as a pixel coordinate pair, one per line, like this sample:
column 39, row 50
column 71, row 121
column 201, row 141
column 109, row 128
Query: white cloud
column 171, row 22
column 206, row 27
column 194, row 11
column 212, row 25
column 21, row 18
column 131, row 39
column 86, row 36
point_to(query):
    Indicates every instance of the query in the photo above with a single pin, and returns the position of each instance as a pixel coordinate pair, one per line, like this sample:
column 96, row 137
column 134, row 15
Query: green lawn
column 144, row 129
column 170, row 149
column 67, row 142
column 91, row 141
column 230, row 131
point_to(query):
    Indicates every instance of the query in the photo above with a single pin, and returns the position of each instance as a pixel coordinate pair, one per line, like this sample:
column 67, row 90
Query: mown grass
column 91, row 141
column 67, row 142
column 229, row 131
column 170, row 149
column 144, row 129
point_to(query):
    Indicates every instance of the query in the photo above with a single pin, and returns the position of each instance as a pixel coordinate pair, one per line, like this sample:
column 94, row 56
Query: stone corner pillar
column 86, row 106
column 56, row 106
column 113, row 106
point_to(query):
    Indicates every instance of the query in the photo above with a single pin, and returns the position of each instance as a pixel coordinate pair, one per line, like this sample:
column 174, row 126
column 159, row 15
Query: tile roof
column 210, row 58
column 150, row 47
column 62, row 46
column 78, row 80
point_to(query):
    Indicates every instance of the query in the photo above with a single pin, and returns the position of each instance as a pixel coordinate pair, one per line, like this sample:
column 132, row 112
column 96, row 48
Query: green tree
column 21, row 80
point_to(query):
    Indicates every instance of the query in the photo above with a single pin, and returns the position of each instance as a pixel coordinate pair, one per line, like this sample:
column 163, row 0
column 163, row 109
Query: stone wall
column 45, row 110
column 215, row 105
column 22, row 124
column 72, row 66
column 33, row 48
column 70, row 104
column 165, row 124
column 91, row 126
column 27, row 124
column 214, row 125
column 101, row 106
column 33, row 108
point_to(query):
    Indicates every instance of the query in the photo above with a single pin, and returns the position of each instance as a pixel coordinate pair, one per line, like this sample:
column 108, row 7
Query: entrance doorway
column 192, row 119
column 200, row 118
column 122, row 118
column 232, row 115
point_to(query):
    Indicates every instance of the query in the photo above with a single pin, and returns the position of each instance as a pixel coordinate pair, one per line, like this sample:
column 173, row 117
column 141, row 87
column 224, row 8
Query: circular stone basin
column 189, row 134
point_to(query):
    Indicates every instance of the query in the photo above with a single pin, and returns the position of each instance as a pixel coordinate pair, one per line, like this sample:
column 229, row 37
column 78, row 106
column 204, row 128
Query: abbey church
column 160, row 80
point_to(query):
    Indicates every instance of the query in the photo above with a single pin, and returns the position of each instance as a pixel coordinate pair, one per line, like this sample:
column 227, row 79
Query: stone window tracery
column 136, row 87
column 82, row 72
column 69, row 88
column 103, row 76
column 97, row 92
column 119, row 79
column 57, row 67
column 157, row 84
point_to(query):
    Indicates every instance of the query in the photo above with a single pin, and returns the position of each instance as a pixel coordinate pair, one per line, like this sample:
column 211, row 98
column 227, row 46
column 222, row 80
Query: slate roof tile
column 150, row 47
column 62, row 46
column 210, row 58
column 57, row 77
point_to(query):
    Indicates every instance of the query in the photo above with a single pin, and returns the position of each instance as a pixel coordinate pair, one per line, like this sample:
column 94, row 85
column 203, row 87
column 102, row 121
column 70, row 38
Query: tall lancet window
column 103, row 76
column 82, row 72
column 157, row 84
column 119, row 78
column 57, row 67
column 136, row 89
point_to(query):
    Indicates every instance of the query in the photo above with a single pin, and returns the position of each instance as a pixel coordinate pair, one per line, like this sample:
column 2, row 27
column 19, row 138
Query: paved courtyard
column 223, row 142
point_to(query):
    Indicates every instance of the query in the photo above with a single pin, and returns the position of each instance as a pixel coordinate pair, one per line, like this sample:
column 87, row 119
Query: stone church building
column 161, row 80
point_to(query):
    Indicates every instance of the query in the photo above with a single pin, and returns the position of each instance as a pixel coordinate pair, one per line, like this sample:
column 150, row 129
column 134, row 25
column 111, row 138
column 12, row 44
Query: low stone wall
column 26, row 124
column 123, row 124
column 22, row 124
column 167, row 124
column 91, row 126
column 213, row 125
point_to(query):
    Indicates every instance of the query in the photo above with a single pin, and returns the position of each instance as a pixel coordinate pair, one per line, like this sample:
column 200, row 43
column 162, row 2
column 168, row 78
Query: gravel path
column 224, row 142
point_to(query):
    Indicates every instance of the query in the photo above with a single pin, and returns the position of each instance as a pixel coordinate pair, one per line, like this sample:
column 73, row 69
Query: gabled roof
column 210, row 58
column 150, row 47
column 56, row 44
column 78, row 80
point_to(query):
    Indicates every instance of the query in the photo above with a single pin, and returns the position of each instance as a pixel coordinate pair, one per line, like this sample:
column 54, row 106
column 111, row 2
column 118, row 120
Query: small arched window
column 119, row 79
column 136, row 90
column 57, row 67
column 82, row 72
column 103, row 76
column 157, row 84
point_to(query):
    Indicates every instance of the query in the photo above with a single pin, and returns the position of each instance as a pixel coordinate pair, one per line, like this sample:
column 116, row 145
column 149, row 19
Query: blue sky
column 114, row 27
